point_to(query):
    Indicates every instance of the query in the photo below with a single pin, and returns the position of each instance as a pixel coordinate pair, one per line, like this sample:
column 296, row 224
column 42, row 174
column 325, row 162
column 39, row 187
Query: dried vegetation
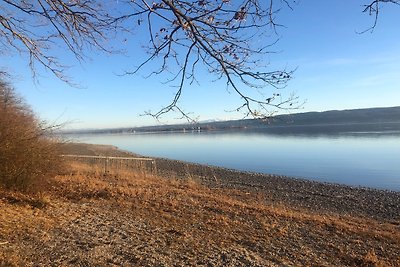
column 29, row 154
column 88, row 218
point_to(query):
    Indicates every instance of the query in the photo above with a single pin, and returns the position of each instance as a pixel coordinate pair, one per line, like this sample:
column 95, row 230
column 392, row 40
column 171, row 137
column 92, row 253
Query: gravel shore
column 301, row 193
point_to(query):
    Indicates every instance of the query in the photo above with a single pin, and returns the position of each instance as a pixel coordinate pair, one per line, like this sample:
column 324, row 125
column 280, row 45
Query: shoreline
column 194, row 215
column 296, row 192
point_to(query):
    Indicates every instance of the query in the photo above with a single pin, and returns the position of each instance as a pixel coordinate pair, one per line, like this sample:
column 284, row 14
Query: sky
column 335, row 68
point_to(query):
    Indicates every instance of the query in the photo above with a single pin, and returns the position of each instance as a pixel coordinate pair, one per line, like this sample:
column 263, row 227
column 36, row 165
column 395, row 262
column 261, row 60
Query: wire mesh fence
column 116, row 164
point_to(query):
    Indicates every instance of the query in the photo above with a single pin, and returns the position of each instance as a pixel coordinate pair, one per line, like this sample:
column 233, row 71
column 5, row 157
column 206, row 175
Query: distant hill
column 370, row 119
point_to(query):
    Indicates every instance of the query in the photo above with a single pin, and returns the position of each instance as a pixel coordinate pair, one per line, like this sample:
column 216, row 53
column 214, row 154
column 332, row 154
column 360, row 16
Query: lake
column 368, row 159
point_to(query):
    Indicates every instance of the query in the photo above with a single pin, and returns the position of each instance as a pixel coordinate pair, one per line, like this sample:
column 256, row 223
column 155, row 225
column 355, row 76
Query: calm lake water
column 357, row 159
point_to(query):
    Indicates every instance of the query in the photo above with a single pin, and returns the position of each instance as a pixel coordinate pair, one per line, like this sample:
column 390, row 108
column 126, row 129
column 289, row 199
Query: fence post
column 106, row 165
column 154, row 167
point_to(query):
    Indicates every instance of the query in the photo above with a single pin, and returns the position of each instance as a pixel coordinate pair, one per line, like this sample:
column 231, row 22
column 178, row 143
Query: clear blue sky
column 336, row 69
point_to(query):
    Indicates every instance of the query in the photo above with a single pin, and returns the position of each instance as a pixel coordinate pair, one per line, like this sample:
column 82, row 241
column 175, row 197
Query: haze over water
column 357, row 159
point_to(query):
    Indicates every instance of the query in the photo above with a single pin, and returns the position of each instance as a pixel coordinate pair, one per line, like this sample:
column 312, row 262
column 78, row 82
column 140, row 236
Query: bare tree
column 229, row 38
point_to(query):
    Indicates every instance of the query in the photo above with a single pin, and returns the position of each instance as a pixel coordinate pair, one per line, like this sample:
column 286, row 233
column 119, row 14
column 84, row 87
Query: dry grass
column 92, row 219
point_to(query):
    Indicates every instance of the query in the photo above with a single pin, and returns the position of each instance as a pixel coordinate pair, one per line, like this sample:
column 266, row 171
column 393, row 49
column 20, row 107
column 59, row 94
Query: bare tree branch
column 229, row 38
column 38, row 27
column 373, row 9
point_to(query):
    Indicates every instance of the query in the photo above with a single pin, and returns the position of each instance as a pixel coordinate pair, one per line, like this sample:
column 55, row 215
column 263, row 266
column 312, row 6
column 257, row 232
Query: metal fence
column 115, row 164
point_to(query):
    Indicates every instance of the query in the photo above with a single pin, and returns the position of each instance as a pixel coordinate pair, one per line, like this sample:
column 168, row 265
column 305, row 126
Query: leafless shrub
column 28, row 153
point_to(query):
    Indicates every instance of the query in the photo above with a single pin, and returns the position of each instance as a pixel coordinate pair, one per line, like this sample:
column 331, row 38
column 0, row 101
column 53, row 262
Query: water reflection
column 357, row 158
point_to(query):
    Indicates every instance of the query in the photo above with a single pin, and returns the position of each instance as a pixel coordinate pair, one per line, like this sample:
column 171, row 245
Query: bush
column 28, row 153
